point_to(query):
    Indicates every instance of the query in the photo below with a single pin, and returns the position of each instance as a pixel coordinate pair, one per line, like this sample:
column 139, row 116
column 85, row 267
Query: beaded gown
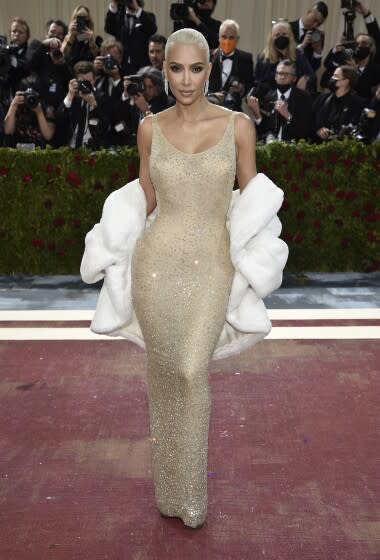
column 181, row 281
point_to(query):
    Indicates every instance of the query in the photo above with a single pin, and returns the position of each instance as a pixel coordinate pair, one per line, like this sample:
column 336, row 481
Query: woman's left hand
column 89, row 34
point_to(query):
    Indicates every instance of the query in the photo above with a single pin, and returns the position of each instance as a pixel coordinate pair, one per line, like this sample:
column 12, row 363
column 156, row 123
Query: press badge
column 53, row 88
column 93, row 122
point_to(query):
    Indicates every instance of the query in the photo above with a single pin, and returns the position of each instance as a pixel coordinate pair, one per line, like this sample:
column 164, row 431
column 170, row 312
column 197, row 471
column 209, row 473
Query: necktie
column 81, row 125
column 225, row 56
column 283, row 98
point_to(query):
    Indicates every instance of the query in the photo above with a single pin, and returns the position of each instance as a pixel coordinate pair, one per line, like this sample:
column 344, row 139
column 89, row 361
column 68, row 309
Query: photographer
column 80, row 42
column 232, row 69
column 47, row 59
column 198, row 16
column 371, row 124
column 29, row 120
column 361, row 57
column 145, row 94
column 109, row 85
column 132, row 26
column 372, row 27
column 156, row 50
column 83, row 111
column 309, row 38
column 342, row 107
column 284, row 113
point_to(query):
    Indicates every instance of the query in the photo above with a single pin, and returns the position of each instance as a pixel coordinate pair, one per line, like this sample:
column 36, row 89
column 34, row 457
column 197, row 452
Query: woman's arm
column 144, row 142
column 245, row 139
column 47, row 128
column 10, row 117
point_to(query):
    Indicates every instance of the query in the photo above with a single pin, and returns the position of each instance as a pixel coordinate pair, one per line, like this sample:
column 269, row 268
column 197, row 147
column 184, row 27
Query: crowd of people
column 73, row 88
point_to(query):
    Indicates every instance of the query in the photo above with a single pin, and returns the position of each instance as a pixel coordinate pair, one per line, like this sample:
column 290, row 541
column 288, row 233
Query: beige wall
column 254, row 16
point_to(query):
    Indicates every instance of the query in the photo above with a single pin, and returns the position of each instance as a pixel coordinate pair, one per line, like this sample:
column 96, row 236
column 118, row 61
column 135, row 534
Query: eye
column 175, row 68
column 197, row 69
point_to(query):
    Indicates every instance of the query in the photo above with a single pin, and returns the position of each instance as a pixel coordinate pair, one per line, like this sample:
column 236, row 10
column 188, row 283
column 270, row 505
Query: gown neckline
column 194, row 153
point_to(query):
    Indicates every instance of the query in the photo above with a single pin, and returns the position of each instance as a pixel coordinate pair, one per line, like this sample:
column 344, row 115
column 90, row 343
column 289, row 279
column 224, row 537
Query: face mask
column 332, row 85
column 227, row 45
column 281, row 42
column 362, row 52
column 206, row 13
column 283, row 87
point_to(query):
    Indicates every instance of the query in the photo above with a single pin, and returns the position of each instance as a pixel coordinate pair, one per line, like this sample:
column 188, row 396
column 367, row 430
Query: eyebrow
column 193, row 64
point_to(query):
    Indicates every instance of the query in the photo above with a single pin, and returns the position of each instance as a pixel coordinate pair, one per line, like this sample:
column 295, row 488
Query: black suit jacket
column 209, row 27
column 332, row 112
column 315, row 62
column 299, row 106
column 242, row 70
column 135, row 43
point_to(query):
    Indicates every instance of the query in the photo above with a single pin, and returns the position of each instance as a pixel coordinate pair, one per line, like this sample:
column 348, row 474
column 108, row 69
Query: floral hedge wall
column 49, row 199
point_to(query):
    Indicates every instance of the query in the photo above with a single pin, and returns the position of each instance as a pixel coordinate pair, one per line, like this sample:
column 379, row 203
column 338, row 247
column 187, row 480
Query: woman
column 281, row 45
column 339, row 108
column 80, row 43
column 181, row 270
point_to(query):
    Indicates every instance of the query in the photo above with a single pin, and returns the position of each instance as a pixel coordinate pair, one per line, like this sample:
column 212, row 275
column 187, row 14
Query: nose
column 186, row 76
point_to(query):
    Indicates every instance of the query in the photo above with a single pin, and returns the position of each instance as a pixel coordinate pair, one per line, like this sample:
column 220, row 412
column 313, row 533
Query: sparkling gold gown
column 181, row 280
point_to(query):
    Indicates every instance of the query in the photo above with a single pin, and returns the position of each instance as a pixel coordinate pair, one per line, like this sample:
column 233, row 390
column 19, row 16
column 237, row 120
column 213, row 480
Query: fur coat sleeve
column 257, row 254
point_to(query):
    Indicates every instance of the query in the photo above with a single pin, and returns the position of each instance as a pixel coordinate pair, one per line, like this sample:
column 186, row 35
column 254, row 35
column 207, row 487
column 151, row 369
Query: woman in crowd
column 281, row 45
column 181, row 275
column 339, row 108
column 80, row 42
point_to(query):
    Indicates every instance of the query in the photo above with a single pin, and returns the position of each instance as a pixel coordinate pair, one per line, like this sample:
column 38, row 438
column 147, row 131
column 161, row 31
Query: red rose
column 38, row 243
column 98, row 187
column 344, row 243
column 330, row 209
column 74, row 178
column 362, row 157
column 27, row 178
column 371, row 237
column 317, row 241
column 339, row 222
column 333, row 158
column 298, row 238
column 288, row 175
column 316, row 182
column 320, row 163
column 69, row 242
column 355, row 213
column 298, row 156
column 91, row 161
column 369, row 207
column 48, row 204
column 51, row 246
column 285, row 205
column 78, row 156
column 59, row 222
column 294, row 187
column 306, row 165
column 331, row 187
column 4, row 171
column 330, row 172
column 375, row 265
column 300, row 215
column 351, row 195
column 317, row 224
column 307, row 196
column 61, row 252
column 348, row 162
column 115, row 176
column 49, row 168
column 373, row 217
column 77, row 222
column 287, row 237
column 318, row 204
column 301, row 174
column 341, row 195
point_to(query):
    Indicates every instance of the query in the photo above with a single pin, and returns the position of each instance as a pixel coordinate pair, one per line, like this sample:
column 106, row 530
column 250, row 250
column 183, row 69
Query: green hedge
column 50, row 198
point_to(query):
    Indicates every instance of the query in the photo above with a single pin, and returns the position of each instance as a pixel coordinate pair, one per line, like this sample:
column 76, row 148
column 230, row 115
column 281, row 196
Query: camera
column 136, row 86
column 180, row 12
column 85, row 87
column 57, row 54
column 31, row 98
column 6, row 51
column 82, row 23
column 316, row 36
column 109, row 62
column 348, row 4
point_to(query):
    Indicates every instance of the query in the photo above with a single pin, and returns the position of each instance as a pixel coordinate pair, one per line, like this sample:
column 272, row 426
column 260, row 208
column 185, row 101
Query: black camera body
column 136, row 86
column 6, row 51
column 348, row 4
column 31, row 98
column 85, row 87
column 180, row 12
column 82, row 23
column 109, row 62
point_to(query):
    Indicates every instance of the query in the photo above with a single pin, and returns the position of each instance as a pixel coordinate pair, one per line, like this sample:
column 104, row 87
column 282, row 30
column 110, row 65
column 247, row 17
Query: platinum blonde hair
column 187, row 36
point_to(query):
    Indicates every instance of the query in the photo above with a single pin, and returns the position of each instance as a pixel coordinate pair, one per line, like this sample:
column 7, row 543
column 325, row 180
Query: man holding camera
column 232, row 69
column 309, row 38
column 132, row 26
column 84, row 111
column 284, row 113
column 372, row 27
column 196, row 14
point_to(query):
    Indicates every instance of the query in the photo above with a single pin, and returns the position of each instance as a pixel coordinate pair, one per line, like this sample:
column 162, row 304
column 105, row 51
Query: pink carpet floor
column 294, row 469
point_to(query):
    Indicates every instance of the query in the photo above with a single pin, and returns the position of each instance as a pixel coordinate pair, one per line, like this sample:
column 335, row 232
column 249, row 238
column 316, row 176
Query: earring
column 205, row 87
column 166, row 86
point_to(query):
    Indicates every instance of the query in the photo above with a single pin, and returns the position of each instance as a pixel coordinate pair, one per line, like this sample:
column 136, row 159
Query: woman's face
column 83, row 13
column 186, row 69
column 341, row 82
column 279, row 29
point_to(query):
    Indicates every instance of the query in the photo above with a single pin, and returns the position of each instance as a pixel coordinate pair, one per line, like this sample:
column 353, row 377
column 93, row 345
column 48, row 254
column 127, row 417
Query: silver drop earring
column 205, row 87
column 166, row 86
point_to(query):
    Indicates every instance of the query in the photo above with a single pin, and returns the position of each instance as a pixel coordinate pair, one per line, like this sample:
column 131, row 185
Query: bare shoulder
column 243, row 124
column 144, row 134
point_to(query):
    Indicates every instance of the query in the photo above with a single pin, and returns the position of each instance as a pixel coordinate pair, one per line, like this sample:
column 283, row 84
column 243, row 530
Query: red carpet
column 293, row 463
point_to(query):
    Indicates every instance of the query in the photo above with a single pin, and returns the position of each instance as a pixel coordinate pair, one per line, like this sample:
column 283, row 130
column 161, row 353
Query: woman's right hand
column 323, row 133
column 73, row 30
column 18, row 100
column 254, row 104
